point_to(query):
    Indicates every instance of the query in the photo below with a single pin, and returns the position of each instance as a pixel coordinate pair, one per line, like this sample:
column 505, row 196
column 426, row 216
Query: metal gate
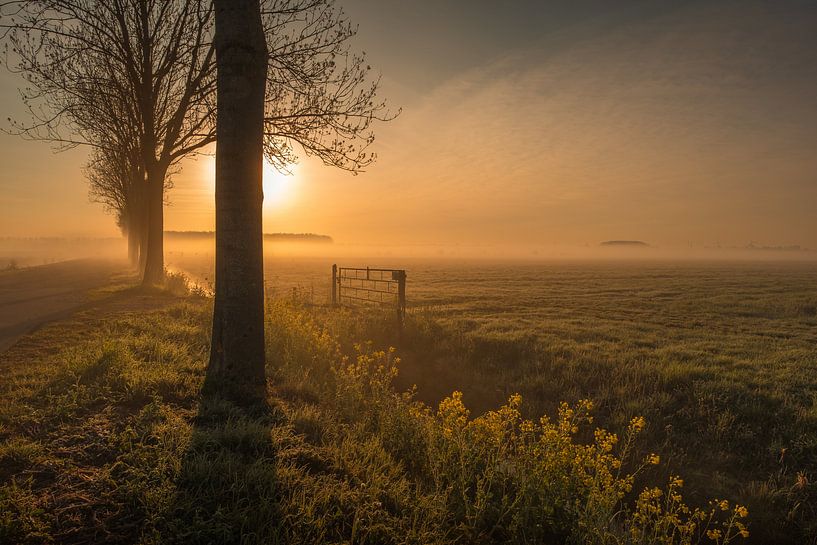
column 368, row 285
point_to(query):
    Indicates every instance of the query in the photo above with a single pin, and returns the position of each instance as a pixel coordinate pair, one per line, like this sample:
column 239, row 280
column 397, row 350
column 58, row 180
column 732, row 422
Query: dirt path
column 35, row 296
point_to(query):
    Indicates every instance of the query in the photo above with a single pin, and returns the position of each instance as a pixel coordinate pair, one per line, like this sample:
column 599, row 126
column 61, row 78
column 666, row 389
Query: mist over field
column 29, row 252
column 199, row 252
column 32, row 251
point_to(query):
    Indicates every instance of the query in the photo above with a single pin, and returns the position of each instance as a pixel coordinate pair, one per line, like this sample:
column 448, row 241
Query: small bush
column 177, row 283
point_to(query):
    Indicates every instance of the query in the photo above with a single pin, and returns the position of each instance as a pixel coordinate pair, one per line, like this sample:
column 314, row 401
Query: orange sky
column 686, row 125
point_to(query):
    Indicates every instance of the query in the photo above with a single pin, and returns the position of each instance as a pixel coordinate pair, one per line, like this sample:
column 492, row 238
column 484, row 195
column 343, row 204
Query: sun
column 278, row 187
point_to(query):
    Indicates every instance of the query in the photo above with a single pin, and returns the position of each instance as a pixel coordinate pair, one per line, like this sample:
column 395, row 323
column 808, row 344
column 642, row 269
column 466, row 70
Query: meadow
column 720, row 357
column 702, row 373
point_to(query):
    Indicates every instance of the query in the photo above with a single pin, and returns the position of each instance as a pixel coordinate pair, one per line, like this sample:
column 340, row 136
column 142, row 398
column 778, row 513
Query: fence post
column 401, row 299
column 334, row 285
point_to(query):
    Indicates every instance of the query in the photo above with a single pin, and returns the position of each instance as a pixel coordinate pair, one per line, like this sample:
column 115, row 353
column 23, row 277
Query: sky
column 533, row 123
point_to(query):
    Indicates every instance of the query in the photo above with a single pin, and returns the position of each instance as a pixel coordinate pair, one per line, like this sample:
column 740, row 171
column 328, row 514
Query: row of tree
column 146, row 83
column 136, row 81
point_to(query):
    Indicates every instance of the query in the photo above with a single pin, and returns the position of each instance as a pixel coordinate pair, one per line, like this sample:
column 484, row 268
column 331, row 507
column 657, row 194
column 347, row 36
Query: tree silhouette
column 104, row 72
column 116, row 180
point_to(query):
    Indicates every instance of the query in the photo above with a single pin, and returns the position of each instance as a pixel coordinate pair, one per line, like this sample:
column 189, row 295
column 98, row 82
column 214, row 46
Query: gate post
column 401, row 298
column 334, row 285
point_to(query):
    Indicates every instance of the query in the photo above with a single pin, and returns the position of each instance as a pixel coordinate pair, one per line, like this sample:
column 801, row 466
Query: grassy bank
column 105, row 437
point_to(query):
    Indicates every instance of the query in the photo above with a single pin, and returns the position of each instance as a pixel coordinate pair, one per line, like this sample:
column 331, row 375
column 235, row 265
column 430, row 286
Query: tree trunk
column 237, row 352
column 133, row 243
column 139, row 219
column 136, row 220
column 143, row 239
column 154, row 258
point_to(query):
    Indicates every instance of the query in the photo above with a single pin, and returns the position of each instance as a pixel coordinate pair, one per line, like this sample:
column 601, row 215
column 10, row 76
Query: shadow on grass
column 226, row 490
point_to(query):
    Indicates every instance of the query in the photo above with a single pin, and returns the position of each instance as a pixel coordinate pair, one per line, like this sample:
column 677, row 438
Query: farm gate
column 373, row 286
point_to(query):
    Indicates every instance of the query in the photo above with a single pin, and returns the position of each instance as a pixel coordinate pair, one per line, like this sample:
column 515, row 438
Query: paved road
column 35, row 296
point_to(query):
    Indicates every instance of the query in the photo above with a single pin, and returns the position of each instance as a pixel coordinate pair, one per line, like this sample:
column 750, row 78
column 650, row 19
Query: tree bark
column 154, row 257
column 136, row 222
column 142, row 214
column 236, row 365
column 143, row 243
column 139, row 219
column 133, row 243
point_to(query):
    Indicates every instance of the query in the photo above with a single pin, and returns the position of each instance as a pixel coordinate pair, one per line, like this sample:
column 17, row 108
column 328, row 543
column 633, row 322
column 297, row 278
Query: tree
column 237, row 349
column 134, row 71
column 116, row 180
column 286, row 79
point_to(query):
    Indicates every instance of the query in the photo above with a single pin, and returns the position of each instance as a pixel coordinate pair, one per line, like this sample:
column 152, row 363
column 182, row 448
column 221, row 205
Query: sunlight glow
column 278, row 187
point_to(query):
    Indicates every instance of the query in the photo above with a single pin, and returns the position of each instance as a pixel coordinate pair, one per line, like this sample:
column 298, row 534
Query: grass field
column 720, row 357
column 105, row 436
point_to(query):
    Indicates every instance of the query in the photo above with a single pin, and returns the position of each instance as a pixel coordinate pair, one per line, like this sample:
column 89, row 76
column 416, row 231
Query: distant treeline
column 624, row 243
column 278, row 237
column 791, row 248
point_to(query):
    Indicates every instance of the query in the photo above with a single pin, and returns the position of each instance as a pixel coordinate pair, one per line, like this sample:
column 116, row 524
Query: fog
column 29, row 252
column 200, row 254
